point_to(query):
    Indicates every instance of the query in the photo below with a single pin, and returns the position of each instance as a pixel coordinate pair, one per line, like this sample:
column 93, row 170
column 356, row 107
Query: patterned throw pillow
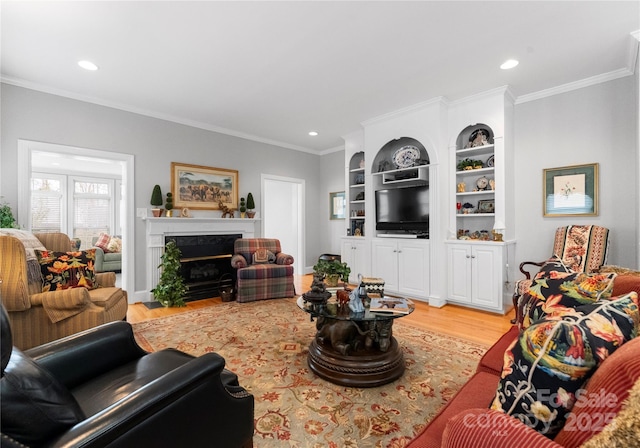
column 65, row 270
column 103, row 242
column 558, row 291
column 115, row 244
column 263, row 256
column 546, row 367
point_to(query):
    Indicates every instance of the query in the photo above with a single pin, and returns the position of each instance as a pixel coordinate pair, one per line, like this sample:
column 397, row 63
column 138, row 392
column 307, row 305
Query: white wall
column 331, row 230
column 37, row 116
column 597, row 124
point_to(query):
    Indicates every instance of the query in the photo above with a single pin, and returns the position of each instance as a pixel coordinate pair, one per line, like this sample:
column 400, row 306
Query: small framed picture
column 570, row 191
column 486, row 206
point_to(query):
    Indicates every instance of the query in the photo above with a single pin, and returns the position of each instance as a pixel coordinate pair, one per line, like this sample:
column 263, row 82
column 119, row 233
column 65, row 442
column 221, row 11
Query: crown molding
column 153, row 114
column 405, row 110
column 568, row 87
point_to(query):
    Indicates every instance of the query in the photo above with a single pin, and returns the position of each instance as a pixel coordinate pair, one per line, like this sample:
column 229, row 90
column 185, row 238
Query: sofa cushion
column 625, row 283
column 103, row 242
column 493, row 360
column 557, row 291
column 602, row 396
column 35, row 407
column 553, row 357
column 64, row 270
column 115, row 244
column 477, row 392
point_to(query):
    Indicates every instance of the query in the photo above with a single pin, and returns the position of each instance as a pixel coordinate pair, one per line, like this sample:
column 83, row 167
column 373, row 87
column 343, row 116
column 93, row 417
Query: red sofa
column 466, row 421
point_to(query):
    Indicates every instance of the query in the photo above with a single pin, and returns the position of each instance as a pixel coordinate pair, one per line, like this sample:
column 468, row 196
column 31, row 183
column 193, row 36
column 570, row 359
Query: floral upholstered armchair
column 41, row 312
column 578, row 248
column 264, row 271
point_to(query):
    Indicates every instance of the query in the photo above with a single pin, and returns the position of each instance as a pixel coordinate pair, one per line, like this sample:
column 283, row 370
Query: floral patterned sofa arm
column 486, row 428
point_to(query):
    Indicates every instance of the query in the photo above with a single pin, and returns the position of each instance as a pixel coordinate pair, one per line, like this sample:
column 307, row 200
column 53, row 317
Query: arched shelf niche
column 401, row 160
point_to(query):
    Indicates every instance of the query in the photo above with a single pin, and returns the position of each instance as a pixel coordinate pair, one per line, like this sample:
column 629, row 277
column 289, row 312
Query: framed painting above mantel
column 203, row 187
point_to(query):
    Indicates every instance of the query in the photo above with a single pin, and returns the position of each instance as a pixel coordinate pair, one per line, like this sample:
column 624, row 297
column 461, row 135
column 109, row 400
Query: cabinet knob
column 468, row 256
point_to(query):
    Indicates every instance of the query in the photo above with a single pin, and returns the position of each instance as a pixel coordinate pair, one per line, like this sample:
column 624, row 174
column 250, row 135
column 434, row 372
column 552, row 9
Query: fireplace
column 158, row 229
column 206, row 263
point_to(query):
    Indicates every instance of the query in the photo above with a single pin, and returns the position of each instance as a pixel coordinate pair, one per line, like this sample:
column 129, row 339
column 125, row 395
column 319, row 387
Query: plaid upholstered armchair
column 264, row 271
column 40, row 314
column 578, row 248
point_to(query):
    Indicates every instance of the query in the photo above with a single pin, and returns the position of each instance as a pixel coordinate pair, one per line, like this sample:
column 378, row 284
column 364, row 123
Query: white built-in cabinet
column 356, row 252
column 403, row 264
column 478, row 274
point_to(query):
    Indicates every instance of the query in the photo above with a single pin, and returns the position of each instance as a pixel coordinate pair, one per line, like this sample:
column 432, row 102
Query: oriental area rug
column 266, row 344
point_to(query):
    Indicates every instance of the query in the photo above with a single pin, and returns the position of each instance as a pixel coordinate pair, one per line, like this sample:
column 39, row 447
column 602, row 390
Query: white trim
column 25, row 148
column 301, row 214
column 405, row 110
column 149, row 113
column 575, row 85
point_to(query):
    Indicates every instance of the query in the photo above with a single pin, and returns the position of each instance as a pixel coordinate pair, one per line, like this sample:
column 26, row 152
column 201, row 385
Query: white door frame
column 25, row 149
column 301, row 215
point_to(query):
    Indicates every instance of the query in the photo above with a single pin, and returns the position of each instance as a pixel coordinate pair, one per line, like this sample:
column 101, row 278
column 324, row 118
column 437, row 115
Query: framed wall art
column 203, row 187
column 570, row 191
column 337, row 205
column 486, row 206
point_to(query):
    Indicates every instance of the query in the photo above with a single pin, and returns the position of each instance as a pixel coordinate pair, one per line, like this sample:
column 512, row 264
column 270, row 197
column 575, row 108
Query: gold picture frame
column 203, row 187
column 337, row 205
column 570, row 191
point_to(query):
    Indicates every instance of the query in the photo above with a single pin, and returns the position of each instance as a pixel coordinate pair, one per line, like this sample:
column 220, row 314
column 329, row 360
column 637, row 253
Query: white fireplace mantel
column 158, row 228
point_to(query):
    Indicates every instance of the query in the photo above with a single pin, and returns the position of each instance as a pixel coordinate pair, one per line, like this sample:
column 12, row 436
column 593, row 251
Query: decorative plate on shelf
column 490, row 162
column 406, row 156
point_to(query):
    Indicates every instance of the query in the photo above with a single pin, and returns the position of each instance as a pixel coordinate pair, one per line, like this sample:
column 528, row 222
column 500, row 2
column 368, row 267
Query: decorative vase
column 157, row 212
column 250, row 215
column 332, row 279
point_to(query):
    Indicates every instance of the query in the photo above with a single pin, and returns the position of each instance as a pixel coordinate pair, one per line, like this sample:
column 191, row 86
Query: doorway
column 283, row 215
column 122, row 164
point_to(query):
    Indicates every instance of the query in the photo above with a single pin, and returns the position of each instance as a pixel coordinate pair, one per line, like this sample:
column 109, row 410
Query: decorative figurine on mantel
column 318, row 292
column 225, row 210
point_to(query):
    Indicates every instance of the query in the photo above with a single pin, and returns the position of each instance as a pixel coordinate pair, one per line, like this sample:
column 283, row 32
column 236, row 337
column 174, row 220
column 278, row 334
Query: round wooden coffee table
column 354, row 349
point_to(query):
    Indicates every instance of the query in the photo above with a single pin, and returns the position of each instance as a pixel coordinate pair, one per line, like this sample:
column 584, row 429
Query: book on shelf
column 391, row 305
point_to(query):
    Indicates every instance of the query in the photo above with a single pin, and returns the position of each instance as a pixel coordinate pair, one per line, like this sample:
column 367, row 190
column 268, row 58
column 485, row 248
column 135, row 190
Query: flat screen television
column 404, row 209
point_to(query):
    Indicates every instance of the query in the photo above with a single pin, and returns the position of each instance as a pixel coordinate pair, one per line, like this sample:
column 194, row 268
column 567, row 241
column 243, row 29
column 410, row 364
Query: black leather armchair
column 98, row 388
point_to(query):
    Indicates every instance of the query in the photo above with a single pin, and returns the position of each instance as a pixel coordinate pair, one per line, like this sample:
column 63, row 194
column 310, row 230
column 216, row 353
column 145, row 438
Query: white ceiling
column 272, row 71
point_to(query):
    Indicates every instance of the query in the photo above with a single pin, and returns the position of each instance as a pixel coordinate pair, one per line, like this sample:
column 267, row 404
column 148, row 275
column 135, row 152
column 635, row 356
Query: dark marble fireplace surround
column 206, row 263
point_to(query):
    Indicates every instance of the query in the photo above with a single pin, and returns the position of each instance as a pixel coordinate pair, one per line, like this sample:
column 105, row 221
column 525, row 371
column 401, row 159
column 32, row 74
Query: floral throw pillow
column 558, row 291
column 545, row 369
column 115, row 244
column 65, row 270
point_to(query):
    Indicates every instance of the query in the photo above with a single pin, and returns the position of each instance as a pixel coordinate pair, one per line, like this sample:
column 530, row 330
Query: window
column 93, row 209
column 47, row 203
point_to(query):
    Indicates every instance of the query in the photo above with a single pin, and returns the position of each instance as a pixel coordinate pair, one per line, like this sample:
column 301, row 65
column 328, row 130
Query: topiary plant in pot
column 333, row 271
column 250, row 206
column 156, row 201
column 169, row 204
column 171, row 289
column 243, row 208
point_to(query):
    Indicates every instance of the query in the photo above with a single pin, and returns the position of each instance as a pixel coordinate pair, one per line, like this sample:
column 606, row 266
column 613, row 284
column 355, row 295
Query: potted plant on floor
column 156, row 201
column 333, row 271
column 171, row 289
column 250, row 206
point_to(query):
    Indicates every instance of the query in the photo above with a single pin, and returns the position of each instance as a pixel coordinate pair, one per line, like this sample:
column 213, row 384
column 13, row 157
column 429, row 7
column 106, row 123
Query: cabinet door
column 413, row 269
column 459, row 272
column 486, row 276
column 384, row 263
column 361, row 258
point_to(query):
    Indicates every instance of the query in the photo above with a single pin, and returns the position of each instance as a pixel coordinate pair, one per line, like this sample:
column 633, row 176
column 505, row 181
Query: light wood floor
column 477, row 326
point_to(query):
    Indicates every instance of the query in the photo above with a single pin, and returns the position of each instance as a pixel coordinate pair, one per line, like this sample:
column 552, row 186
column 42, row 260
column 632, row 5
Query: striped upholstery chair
column 38, row 317
column 580, row 248
column 262, row 278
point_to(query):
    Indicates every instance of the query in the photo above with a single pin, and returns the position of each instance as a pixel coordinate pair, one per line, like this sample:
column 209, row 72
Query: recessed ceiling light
column 88, row 65
column 313, row 133
column 506, row 65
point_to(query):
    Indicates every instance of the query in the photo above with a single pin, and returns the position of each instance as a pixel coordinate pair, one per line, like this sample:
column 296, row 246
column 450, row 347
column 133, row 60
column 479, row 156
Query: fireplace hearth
column 206, row 263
